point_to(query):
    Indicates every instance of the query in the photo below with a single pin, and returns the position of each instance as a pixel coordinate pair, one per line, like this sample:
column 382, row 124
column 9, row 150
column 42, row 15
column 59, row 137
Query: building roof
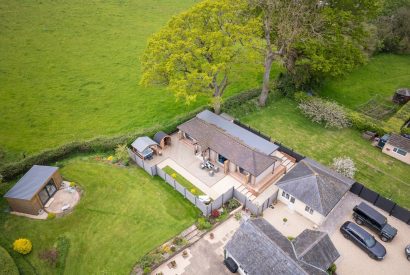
column 261, row 249
column 400, row 142
column 29, row 185
column 142, row 143
column 315, row 185
column 215, row 138
column 244, row 136
column 403, row 91
column 315, row 249
column 159, row 136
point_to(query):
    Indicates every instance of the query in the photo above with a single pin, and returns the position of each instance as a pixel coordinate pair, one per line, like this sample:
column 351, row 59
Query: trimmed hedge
column 102, row 144
column 365, row 123
column 7, row 264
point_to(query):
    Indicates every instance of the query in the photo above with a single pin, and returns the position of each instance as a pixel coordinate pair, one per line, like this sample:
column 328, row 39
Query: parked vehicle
column 231, row 265
column 364, row 240
column 363, row 214
column 407, row 251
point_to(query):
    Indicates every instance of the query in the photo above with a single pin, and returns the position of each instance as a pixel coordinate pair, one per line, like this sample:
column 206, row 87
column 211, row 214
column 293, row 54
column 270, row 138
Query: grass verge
column 183, row 181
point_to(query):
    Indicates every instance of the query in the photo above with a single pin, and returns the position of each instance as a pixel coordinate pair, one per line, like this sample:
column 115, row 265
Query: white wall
column 299, row 207
column 264, row 174
column 388, row 149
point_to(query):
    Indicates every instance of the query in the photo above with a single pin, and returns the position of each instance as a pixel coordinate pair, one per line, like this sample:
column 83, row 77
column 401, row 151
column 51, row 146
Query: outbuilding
column 398, row 147
column 162, row 139
column 32, row 192
column 145, row 147
column 401, row 96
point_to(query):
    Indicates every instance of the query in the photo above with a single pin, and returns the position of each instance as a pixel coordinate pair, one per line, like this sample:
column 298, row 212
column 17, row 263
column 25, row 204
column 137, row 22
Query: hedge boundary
column 108, row 143
column 7, row 264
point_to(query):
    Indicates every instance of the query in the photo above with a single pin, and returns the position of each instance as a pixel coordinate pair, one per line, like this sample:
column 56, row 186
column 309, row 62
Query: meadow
column 122, row 215
column 284, row 123
column 70, row 70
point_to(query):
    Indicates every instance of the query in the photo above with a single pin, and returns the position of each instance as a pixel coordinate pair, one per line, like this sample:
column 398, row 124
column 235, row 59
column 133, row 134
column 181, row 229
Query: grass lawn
column 69, row 70
column 378, row 79
column 123, row 214
column 283, row 122
column 183, row 181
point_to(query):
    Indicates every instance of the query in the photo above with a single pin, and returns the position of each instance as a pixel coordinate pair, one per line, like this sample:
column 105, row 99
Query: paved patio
column 64, row 200
column 205, row 256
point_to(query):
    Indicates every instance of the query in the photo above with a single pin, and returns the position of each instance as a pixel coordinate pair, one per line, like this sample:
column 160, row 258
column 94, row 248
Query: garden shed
column 145, row 147
column 32, row 192
column 162, row 139
column 401, row 96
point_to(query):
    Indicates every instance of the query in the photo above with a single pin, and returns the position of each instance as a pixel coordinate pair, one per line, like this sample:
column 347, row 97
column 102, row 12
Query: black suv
column 364, row 214
column 364, row 240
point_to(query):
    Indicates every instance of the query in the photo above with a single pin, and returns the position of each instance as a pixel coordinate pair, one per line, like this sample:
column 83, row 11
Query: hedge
column 104, row 143
column 365, row 123
column 7, row 264
column 396, row 122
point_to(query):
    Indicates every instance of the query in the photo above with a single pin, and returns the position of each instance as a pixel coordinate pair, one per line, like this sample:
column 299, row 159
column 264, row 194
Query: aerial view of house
column 203, row 137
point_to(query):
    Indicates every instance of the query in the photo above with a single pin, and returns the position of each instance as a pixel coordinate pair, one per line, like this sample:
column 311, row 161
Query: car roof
column 372, row 213
column 358, row 230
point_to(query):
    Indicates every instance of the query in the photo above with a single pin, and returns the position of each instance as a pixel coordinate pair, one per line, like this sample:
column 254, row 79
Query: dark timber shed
column 162, row 139
column 34, row 189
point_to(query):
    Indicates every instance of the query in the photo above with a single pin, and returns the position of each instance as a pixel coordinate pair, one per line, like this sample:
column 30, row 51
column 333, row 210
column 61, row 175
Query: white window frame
column 288, row 196
column 399, row 151
column 309, row 210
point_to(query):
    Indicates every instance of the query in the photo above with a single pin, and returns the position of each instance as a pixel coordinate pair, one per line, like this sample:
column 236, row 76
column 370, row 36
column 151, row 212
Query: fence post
column 143, row 166
column 175, row 186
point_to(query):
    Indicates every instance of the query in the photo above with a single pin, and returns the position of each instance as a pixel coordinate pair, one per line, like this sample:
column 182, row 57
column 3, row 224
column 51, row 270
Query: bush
column 149, row 260
column 22, row 246
column 121, row 153
column 51, row 216
column 178, row 241
column 329, row 113
column 301, row 96
column 50, row 256
column 238, row 216
column 165, row 249
column 73, row 184
column 332, row 269
column 147, row 270
column 215, row 214
column 344, row 166
column 203, row 224
column 232, row 204
column 173, row 249
column 290, row 238
column 365, row 123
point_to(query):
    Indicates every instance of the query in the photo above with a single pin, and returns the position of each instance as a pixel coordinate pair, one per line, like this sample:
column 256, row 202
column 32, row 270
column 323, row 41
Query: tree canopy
column 194, row 53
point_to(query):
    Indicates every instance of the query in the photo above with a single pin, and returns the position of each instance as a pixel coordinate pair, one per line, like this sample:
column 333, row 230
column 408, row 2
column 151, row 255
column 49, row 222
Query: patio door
column 47, row 192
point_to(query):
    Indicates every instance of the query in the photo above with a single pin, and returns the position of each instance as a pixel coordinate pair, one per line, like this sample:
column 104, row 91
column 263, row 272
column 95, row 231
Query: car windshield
column 370, row 242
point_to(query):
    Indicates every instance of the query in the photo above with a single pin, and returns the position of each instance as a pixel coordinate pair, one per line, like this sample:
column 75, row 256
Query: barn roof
column 315, row 185
column 28, row 186
column 142, row 143
column 210, row 136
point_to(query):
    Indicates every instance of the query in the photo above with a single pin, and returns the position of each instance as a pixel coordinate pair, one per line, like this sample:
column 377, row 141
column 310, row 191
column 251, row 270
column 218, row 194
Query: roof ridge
column 280, row 248
column 322, row 235
column 290, row 180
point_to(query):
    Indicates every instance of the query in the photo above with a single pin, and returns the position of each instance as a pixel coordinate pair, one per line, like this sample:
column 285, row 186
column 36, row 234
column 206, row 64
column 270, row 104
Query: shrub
column 22, row 246
column 365, row 123
column 332, row 269
column 329, row 113
column 147, row 270
column 344, row 166
column 110, row 158
column 174, row 175
column 178, row 241
column 203, row 224
column 300, row 96
column 149, row 260
column 165, row 249
column 215, row 214
column 193, row 191
column 173, row 249
column 290, row 238
column 121, row 153
column 232, row 204
column 284, row 220
column 238, row 216
column 73, row 184
column 50, row 256
column 51, row 216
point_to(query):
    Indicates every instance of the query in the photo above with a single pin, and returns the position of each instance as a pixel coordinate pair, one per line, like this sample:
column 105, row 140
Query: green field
column 378, row 79
column 284, row 123
column 69, row 70
column 123, row 214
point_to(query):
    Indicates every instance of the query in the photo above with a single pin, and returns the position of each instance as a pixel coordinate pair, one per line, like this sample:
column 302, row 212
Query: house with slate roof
column 246, row 156
column 398, row 147
column 258, row 248
column 312, row 189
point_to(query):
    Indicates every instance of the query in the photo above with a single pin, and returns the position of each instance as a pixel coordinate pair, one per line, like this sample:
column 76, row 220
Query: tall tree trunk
column 217, row 105
column 266, row 79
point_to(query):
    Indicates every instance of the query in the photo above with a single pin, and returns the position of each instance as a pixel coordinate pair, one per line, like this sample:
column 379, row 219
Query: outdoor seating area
column 64, row 200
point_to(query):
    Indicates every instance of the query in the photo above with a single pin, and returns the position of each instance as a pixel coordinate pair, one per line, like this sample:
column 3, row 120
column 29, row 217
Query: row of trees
column 194, row 53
